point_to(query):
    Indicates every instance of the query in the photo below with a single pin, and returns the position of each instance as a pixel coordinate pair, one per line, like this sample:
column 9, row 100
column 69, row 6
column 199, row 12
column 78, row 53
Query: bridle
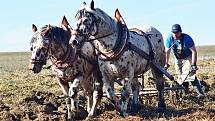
column 42, row 61
column 49, row 54
column 119, row 47
column 96, row 22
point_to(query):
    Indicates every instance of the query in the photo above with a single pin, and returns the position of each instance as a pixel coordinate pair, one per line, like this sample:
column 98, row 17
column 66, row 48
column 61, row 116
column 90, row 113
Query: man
column 185, row 58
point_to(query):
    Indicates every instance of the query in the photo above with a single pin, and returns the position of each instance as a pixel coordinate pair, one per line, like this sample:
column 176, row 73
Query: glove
column 166, row 66
column 193, row 69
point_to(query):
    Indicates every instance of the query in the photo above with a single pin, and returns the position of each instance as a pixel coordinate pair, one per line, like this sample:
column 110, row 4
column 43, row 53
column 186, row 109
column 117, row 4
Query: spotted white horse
column 122, row 53
column 52, row 43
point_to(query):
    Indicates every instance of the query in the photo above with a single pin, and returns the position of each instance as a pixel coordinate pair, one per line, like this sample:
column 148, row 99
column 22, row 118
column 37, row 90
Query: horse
column 122, row 53
column 52, row 43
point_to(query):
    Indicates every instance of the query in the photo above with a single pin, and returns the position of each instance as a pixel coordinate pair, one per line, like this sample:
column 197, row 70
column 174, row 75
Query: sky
column 196, row 17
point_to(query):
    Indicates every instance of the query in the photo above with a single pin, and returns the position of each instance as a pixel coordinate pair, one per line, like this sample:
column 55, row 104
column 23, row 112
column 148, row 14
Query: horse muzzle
column 35, row 67
column 30, row 66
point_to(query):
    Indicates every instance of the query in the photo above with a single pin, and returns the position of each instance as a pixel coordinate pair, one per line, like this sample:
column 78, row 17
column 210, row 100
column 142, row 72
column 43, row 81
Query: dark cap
column 176, row 28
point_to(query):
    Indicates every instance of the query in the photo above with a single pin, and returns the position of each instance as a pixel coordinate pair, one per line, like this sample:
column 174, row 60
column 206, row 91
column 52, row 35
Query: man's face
column 176, row 35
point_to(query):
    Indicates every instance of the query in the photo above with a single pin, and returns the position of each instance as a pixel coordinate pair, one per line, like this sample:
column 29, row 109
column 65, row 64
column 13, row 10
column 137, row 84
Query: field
column 27, row 96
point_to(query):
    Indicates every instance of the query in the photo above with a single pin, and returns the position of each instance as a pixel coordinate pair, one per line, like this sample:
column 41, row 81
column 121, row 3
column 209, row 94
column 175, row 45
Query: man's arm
column 167, row 51
column 167, row 54
column 194, row 55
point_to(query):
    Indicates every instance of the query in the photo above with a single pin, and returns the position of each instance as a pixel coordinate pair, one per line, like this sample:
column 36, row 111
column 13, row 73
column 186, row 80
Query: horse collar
column 120, row 46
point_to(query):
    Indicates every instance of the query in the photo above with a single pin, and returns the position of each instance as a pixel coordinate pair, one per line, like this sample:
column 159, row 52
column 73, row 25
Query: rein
column 90, row 40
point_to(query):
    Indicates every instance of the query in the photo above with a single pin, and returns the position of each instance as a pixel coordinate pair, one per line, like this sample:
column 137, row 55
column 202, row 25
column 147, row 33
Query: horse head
column 46, row 42
column 91, row 23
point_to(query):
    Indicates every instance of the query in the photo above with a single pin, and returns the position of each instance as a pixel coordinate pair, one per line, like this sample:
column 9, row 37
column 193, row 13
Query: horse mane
column 59, row 34
column 100, row 13
column 97, row 12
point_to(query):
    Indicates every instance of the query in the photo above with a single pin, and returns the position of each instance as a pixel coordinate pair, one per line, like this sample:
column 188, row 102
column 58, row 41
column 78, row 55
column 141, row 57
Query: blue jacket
column 180, row 47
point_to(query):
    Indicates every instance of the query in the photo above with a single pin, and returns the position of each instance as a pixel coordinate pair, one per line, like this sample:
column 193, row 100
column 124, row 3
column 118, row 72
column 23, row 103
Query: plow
column 173, row 90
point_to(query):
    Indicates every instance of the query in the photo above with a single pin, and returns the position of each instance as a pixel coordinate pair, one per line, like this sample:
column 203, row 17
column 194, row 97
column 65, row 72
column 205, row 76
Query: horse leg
column 97, row 92
column 97, row 96
column 135, row 91
column 125, row 94
column 109, row 88
column 73, row 92
column 88, row 87
column 65, row 88
column 160, row 87
column 89, row 102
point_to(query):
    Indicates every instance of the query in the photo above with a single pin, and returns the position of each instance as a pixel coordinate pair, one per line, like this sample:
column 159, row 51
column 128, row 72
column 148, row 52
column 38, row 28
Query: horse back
column 139, row 39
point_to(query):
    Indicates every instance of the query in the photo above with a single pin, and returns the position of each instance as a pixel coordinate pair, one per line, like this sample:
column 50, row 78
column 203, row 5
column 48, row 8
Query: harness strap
column 145, row 55
column 138, row 50
column 151, row 60
column 151, row 51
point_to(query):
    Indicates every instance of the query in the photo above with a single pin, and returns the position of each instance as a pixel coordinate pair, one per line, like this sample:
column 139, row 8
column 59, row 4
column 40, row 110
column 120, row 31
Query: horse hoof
column 161, row 109
column 89, row 117
column 70, row 119
column 71, row 116
column 123, row 114
column 135, row 108
column 162, row 105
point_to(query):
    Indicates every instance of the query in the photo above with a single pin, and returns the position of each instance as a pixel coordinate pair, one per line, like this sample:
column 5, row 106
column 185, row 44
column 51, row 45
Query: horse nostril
column 30, row 66
column 75, row 43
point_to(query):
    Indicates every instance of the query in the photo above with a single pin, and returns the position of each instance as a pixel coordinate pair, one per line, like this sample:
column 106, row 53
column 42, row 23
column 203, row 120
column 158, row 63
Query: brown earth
column 26, row 97
column 46, row 106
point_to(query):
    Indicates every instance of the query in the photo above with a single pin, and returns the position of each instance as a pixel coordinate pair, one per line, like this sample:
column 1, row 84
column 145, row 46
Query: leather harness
column 122, row 45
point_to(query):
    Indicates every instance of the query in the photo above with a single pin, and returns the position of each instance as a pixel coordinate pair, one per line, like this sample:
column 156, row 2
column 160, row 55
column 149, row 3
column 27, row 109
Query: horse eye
column 85, row 21
column 31, row 48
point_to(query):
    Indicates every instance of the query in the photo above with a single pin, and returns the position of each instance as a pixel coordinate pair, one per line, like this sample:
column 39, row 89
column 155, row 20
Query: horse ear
column 34, row 28
column 92, row 5
column 65, row 22
column 47, row 30
column 117, row 14
column 84, row 3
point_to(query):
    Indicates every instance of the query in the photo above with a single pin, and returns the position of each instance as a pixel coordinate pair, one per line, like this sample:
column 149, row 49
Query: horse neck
column 107, row 43
column 58, row 50
column 59, row 45
column 88, row 50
